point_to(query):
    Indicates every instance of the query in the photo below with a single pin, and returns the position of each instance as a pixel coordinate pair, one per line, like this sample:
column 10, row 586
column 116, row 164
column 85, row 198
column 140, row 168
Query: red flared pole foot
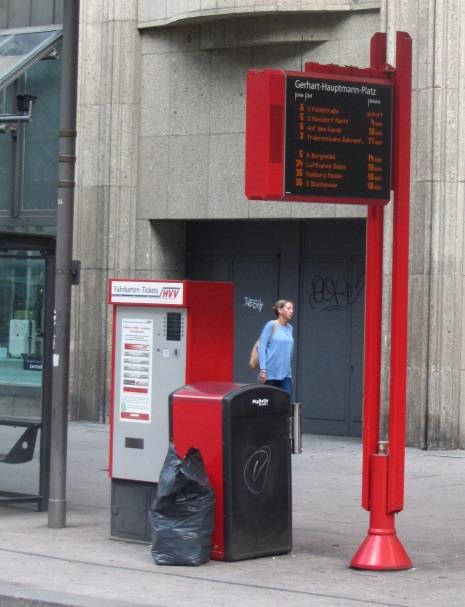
column 381, row 549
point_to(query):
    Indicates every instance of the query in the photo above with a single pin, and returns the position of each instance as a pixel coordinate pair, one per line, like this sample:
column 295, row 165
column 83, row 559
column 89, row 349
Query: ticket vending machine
column 166, row 334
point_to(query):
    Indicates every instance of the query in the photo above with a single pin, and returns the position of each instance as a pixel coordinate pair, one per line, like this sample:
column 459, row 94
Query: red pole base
column 381, row 551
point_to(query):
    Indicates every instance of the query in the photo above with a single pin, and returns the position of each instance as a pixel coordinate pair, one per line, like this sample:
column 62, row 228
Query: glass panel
column 5, row 101
column 42, row 134
column 21, row 478
column 22, row 290
column 21, row 323
column 30, row 151
column 19, row 50
column 6, row 151
column 6, row 171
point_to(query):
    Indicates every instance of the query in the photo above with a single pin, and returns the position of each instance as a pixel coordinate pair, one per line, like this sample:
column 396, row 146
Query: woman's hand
column 262, row 376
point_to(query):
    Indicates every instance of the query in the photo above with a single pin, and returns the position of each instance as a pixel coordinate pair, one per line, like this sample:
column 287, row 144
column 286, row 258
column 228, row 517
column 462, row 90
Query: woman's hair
column 279, row 305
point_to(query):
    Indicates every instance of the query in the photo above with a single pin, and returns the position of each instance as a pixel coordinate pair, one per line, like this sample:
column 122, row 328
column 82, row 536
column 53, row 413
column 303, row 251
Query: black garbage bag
column 182, row 514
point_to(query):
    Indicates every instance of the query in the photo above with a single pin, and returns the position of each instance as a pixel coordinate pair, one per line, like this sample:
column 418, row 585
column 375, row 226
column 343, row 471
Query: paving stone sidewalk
column 81, row 566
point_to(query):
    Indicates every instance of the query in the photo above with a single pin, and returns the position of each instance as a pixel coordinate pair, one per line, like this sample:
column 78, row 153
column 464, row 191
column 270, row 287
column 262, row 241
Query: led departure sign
column 320, row 137
column 338, row 138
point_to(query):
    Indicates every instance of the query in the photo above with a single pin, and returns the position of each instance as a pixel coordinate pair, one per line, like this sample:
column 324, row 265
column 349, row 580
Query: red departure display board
column 317, row 137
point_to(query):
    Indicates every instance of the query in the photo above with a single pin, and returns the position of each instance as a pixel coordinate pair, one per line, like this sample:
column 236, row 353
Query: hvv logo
column 170, row 292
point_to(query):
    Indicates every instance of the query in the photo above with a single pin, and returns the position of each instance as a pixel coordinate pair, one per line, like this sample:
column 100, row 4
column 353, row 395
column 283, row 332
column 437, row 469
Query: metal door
column 331, row 343
column 320, row 266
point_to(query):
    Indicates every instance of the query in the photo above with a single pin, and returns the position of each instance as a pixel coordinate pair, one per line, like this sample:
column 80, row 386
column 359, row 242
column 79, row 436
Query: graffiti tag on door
column 335, row 292
column 255, row 304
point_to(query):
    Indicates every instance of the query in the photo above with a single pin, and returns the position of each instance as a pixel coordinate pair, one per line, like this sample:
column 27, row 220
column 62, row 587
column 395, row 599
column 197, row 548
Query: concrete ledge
column 165, row 12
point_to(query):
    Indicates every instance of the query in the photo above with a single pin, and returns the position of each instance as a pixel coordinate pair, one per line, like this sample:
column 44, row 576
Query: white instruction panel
column 136, row 369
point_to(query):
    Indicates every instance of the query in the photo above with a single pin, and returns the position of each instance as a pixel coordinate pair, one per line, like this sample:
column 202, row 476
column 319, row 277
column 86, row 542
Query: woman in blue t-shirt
column 276, row 346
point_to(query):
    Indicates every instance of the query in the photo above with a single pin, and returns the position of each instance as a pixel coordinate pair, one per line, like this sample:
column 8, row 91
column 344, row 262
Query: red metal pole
column 372, row 361
column 383, row 472
column 373, row 313
column 399, row 312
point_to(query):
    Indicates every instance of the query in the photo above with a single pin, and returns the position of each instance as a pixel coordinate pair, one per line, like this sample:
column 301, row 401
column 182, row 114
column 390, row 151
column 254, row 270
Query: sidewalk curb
column 12, row 595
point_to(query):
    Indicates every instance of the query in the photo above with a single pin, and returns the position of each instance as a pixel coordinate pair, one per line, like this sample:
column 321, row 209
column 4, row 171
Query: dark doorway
column 318, row 264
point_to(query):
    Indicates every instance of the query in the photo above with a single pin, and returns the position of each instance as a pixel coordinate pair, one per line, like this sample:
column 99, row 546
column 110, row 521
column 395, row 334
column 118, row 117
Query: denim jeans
column 284, row 384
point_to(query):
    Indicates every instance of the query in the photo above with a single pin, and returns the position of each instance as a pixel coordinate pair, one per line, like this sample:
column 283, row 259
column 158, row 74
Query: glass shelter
column 29, row 133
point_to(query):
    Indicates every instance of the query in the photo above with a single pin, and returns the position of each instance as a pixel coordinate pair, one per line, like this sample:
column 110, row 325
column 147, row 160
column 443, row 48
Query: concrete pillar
column 436, row 406
column 105, row 217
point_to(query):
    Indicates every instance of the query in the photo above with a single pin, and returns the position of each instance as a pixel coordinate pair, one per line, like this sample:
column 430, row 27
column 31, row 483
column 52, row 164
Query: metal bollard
column 296, row 440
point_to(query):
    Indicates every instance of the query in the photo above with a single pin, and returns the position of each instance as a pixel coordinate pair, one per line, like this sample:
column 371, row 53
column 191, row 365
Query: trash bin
column 243, row 433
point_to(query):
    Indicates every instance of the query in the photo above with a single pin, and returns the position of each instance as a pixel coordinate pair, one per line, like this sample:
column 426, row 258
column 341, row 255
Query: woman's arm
column 265, row 337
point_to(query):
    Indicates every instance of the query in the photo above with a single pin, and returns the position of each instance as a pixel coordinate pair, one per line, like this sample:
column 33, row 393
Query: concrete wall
column 436, row 404
column 161, row 137
column 437, row 303
column 192, row 119
column 161, row 140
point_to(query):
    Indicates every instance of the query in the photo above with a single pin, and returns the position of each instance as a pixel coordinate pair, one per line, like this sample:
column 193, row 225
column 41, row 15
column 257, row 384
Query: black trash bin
column 243, row 433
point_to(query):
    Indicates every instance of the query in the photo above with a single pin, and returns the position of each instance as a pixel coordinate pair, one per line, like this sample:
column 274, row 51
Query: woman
column 276, row 346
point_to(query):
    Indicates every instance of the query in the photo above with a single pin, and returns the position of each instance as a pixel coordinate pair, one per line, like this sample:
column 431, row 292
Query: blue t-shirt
column 275, row 350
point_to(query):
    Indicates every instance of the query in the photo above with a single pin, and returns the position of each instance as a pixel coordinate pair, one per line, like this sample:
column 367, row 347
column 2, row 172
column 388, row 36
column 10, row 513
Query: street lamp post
column 64, row 266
